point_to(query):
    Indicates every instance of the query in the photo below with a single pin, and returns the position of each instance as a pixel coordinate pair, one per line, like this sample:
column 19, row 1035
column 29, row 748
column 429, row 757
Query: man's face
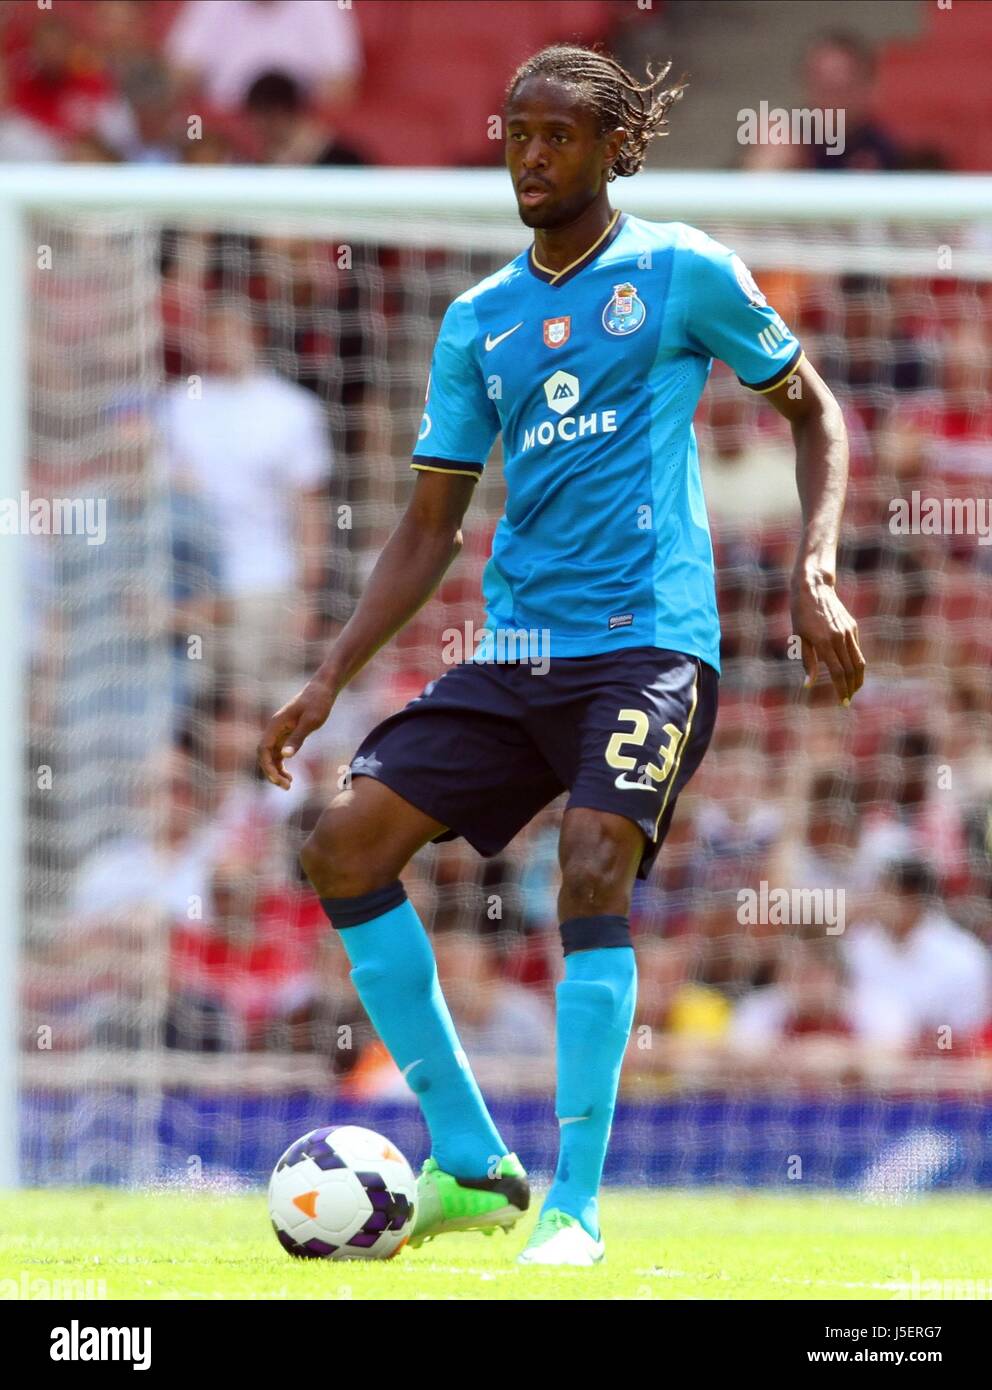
column 556, row 156
column 173, row 795
column 837, row 79
column 272, row 127
column 898, row 912
column 230, row 343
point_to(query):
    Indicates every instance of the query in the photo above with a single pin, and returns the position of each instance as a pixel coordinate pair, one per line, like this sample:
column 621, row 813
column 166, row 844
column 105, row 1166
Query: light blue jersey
column 593, row 375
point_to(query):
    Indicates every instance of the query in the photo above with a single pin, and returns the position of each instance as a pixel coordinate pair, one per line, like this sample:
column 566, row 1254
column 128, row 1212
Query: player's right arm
column 409, row 569
column 457, row 431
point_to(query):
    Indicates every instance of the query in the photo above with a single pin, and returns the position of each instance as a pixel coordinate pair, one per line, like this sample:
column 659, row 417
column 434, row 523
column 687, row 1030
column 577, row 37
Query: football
column 342, row 1193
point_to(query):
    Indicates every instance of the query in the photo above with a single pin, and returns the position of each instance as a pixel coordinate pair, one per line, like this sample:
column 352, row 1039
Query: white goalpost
column 87, row 681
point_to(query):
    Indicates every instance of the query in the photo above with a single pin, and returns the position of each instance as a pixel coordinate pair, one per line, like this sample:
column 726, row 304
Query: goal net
column 221, row 400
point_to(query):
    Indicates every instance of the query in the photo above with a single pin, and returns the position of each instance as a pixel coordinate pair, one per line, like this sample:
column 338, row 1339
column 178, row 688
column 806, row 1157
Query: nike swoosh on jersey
column 491, row 342
column 622, row 783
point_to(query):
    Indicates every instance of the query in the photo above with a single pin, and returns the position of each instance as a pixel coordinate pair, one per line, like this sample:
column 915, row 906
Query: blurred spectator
column 908, row 675
column 823, row 853
column 160, row 131
column 910, row 954
column 839, row 72
column 319, row 308
column 912, row 815
column 872, row 355
column 165, row 867
column 748, row 461
column 966, row 752
column 248, row 967
column 764, row 157
column 839, row 81
column 58, row 91
column 495, row 1018
column 90, row 148
column 670, row 998
column 256, row 447
column 942, row 442
column 195, row 590
column 120, row 31
column 810, row 996
column 224, row 45
column 739, row 820
column 98, row 980
column 211, row 147
column 286, row 128
column 249, row 809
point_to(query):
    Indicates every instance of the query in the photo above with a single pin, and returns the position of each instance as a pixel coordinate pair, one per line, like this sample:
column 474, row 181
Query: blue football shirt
column 592, row 375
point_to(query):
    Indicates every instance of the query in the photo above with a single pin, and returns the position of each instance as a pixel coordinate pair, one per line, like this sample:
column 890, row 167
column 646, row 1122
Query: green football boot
column 446, row 1203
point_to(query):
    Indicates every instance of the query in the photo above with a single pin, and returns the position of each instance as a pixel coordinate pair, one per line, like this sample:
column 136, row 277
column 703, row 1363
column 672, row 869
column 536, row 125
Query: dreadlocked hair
column 617, row 98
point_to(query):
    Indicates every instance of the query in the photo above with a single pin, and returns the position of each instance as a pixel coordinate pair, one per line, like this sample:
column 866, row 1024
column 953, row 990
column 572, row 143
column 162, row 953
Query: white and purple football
column 342, row 1194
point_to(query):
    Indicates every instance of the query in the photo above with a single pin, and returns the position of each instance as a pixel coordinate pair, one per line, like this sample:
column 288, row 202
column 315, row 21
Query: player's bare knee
column 593, row 875
column 316, row 864
column 334, row 870
column 598, row 861
column 339, row 859
column 591, row 888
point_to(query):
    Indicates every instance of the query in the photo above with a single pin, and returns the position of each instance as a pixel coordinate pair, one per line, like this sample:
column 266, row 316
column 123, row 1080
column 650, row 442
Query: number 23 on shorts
column 650, row 775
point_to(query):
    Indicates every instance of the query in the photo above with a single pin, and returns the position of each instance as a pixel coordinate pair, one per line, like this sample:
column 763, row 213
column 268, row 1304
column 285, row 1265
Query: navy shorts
column 488, row 745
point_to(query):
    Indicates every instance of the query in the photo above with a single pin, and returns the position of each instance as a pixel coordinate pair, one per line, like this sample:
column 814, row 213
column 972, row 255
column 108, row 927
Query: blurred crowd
column 164, row 83
column 294, row 377
column 304, row 82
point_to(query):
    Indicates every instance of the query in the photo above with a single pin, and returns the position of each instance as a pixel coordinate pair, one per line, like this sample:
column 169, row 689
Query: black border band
column 594, row 933
column 352, row 912
column 780, row 375
column 426, row 464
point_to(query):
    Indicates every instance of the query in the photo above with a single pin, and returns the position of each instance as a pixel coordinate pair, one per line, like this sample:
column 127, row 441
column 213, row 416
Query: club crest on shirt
column 557, row 331
column 747, row 283
column 625, row 311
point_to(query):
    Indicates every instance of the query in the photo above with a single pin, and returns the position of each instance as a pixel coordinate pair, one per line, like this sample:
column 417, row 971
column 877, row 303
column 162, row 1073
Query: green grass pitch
column 660, row 1245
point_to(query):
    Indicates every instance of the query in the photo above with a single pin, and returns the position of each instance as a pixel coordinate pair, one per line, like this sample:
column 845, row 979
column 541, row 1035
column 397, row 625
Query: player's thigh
column 364, row 839
column 460, row 752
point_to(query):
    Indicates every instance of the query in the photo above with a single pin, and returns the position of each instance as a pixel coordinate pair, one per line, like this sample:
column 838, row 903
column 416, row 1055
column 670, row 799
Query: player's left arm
column 727, row 316
column 819, row 618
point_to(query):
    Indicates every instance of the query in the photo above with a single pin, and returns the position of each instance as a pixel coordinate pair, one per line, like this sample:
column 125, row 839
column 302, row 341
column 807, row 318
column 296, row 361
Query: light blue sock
column 595, row 1012
column 394, row 972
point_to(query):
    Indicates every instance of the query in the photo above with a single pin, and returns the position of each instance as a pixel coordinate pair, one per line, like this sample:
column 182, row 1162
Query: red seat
column 436, row 74
column 933, row 91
